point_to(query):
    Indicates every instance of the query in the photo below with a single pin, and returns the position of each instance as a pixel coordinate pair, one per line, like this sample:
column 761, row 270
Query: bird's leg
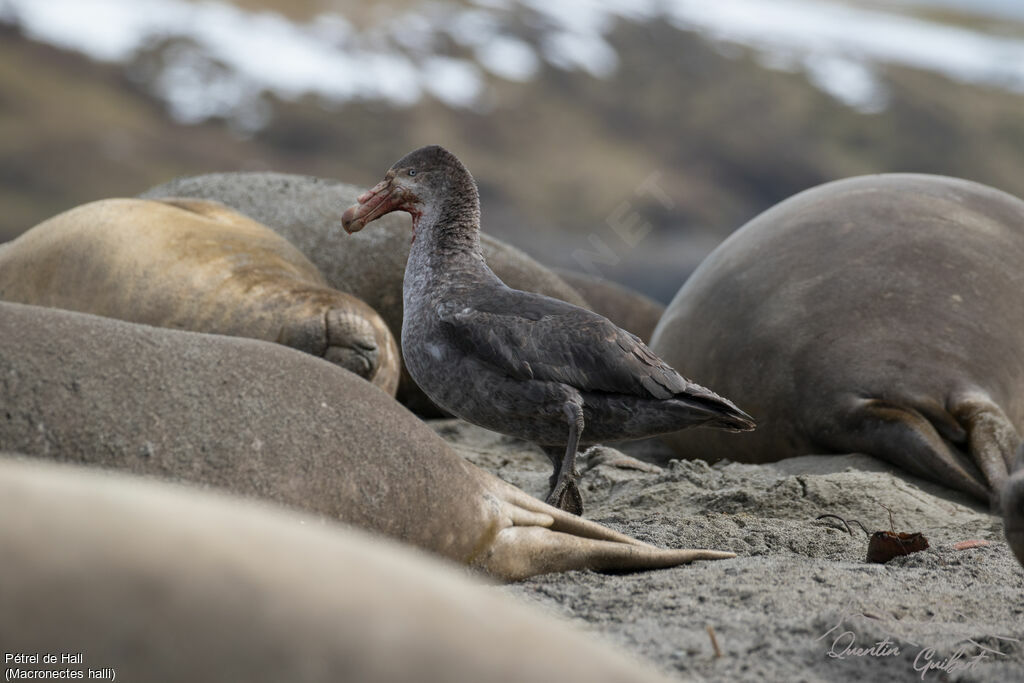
column 555, row 455
column 564, row 492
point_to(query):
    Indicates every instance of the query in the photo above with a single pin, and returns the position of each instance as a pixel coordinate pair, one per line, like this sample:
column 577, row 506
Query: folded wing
column 530, row 336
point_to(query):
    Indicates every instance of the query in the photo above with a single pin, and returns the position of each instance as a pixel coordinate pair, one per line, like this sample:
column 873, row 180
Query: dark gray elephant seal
column 306, row 211
column 625, row 307
column 164, row 583
column 880, row 315
column 195, row 265
column 262, row 420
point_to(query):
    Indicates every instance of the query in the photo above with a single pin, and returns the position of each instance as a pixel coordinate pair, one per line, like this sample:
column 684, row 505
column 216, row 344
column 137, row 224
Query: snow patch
column 220, row 60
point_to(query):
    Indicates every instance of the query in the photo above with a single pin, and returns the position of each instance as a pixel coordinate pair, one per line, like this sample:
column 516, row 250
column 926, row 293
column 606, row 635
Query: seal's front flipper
column 351, row 342
column 349, row 334
column 900, row 433
column 337, row 337
column 356, row 334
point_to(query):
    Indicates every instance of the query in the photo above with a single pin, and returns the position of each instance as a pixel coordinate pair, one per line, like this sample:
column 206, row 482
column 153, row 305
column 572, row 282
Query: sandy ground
column 800, row 603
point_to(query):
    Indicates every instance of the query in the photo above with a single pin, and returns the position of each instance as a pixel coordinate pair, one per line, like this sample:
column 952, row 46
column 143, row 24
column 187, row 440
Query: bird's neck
column 446, row 241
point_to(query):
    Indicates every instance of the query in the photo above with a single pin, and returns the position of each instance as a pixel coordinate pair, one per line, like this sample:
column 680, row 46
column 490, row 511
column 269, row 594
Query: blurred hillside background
column 630, row 136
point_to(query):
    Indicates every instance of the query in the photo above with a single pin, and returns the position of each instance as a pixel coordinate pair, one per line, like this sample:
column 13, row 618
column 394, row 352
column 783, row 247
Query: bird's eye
column 412, row 171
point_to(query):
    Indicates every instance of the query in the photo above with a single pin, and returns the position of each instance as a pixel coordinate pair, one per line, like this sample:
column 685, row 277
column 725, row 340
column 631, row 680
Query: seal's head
column 414, row 184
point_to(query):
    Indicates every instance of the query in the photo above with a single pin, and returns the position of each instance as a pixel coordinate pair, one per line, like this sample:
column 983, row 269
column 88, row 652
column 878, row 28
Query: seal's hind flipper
column 519, row 552
column 537, row 538
column 992, row 438
column 900, row 433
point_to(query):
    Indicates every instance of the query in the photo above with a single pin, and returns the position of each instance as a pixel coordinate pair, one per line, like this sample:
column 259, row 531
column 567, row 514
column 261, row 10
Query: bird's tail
column 705, row 408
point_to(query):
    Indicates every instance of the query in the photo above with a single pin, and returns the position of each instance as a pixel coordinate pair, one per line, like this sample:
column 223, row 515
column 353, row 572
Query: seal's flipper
column 537, row 538
column 352, row 342
column 900, row 434
column 522, row 551
column 347, row 333
column 519, row 505
column 307, row 335
column 992, row 438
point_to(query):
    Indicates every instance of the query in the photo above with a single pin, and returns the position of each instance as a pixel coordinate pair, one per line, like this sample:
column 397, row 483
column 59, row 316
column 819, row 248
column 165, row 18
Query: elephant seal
column 306, row 211
column 879, row 314
column 163, row 583
column 195, row 265
column 262, row 420
column 625, row 307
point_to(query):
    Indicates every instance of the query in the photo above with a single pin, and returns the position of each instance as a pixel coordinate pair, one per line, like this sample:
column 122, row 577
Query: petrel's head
column 414, row 182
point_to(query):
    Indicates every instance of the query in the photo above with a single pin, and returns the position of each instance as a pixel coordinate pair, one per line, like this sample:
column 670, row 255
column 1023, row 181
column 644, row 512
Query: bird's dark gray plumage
column 516, row 362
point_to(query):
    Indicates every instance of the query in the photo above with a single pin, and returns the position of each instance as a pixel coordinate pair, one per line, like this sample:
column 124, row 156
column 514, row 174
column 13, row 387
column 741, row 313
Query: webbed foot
column 565, row 495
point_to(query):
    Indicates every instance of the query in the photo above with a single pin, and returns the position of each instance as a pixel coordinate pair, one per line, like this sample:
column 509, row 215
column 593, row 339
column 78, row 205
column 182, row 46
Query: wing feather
column 530, row 336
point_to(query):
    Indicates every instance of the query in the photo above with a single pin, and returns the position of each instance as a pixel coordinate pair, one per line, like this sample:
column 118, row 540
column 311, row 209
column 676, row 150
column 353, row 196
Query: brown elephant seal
column 195, row 265
column 162, row 583
column 259, row 419
column 879, row 315
column 625, row 307
column 305, row 211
